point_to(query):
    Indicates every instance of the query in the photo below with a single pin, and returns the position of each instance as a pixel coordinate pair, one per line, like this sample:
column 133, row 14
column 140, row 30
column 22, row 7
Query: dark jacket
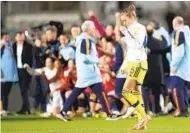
column 26, row 53
column 155, row 73
column 39, row 57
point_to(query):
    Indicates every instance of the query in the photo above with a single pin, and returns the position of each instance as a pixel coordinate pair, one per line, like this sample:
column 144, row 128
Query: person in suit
column 156, row 71
column 38, row 86
column 23, row 54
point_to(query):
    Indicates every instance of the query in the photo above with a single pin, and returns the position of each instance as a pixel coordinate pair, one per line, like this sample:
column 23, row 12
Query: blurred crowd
column 46, row 71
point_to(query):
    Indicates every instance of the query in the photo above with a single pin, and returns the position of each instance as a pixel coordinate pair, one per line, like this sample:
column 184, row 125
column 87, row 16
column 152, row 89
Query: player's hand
column 26, row 66
column 117, row 15
column 122, row 28
column 42, row 73
column 172, row 70
column 91, row 13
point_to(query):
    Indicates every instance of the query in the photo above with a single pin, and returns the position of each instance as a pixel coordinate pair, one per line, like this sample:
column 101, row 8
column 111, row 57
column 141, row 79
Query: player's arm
column 178, row 52
column 86, row 46
column 118, row 60
column 97, row 24
column 65, row 77
column 139, row 36
column 31, row 71
column 117, row 27
column 110, row 54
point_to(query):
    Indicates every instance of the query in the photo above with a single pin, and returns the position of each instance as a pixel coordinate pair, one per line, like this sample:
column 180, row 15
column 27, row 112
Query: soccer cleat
column 140, row 126
column 64, row 117
column 113, row 117
column 116, row 112
column 130, row 110
column 135, row 128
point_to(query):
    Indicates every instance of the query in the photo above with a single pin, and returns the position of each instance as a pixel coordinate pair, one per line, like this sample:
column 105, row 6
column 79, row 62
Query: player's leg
column 113, row 105
column 75, row 93
column 99, row 91
column 56, row 103
column 119, row 83
column 92, row 102
column 136, row 76
column 81, row 103
column 156, row 91
column 178, row 85
column 6, row 88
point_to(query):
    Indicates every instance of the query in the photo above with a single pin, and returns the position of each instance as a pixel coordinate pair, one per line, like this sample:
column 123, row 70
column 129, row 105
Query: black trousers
column 39, row 91
column 5, row 90
column 24, row 81
column 155, row 103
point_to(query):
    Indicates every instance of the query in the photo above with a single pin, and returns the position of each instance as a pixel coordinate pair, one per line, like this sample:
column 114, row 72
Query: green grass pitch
column 36, row 124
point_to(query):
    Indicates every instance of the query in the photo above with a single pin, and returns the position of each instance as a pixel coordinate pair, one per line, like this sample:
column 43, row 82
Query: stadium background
column 25, row 15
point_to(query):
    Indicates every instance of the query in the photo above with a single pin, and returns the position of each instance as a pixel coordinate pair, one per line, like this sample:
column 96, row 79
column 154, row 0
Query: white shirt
column 50, row 74
column 19, row 55
column 135, row 36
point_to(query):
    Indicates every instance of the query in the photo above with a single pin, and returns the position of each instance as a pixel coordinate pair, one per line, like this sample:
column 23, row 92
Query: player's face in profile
column 38, row 43
column 6, row 38
column 75, row 31
column 57, row 64
column 49, row 63
column 103, row 43
column 63, row 40
column 109, row 30
column 127, row 21
column 93, row 31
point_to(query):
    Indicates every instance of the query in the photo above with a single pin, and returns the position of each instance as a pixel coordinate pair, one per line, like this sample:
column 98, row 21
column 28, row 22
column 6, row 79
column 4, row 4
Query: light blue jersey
column 181, row 53
column 8, row 65
column 165, row 36
column 67, row 52
column 87, row 62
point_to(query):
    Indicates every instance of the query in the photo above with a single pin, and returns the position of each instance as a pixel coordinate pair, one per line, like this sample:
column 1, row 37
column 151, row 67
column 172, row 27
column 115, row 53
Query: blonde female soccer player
column 135, row 38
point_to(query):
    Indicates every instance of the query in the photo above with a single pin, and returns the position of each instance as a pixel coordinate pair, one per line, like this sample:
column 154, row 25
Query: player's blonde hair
column 130, row 11
column 179, row 20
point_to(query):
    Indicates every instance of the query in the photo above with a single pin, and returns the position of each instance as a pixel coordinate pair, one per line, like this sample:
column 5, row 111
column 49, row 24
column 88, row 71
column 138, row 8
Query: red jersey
column 108, row 82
